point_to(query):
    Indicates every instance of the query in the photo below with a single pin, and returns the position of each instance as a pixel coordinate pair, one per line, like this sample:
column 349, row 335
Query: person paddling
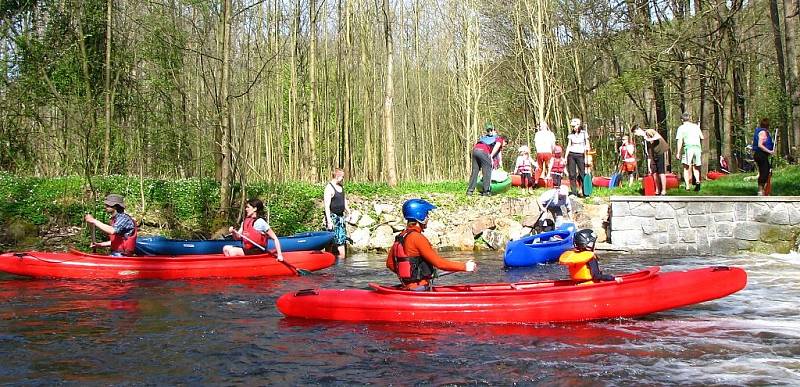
column 121, row 229
column 412, row 257
column 253, row 233
column 582, row 261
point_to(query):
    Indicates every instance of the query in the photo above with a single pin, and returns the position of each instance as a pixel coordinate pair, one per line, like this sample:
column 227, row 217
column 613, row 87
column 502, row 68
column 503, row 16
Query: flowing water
column 229, row 332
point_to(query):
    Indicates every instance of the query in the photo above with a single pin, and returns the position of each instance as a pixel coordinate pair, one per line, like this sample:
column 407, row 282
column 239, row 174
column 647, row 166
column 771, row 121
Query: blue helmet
column 417, row 210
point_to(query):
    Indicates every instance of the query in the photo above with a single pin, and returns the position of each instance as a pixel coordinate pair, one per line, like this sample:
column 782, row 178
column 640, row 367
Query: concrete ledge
column 705, row 224
column 706, row 199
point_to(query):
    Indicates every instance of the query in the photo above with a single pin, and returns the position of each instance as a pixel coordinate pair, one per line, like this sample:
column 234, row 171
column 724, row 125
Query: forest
column 275, row 90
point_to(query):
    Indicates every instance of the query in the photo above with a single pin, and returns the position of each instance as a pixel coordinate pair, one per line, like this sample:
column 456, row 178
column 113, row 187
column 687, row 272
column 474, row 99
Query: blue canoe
column 539, row 248
column 159, row 245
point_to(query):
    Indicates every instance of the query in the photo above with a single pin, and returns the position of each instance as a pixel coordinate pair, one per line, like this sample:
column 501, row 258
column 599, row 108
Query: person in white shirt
column 556, row 201
column 689, row 138
column 577, row 146
column 545, row 142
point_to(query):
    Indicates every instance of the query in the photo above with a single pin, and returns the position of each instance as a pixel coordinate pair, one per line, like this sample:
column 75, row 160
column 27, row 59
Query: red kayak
column 79, row 265
column 641, row 293
column 714, row 175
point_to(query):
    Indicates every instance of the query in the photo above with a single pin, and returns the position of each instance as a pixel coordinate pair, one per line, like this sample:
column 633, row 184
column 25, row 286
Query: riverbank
column 46, row 214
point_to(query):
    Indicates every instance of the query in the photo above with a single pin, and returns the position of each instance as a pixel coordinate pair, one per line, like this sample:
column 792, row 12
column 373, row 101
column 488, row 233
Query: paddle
column 297, row 270
column 541, row 213
column 94, row 238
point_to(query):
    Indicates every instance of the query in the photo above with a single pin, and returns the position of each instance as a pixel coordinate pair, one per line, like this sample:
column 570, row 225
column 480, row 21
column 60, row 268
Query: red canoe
column 648, row 183
column 639, row 294
column 714, row 175
column 78, row 265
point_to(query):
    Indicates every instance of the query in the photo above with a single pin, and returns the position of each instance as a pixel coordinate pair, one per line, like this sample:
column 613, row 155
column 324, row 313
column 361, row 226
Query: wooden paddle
column 94, row 238
column 297, row 270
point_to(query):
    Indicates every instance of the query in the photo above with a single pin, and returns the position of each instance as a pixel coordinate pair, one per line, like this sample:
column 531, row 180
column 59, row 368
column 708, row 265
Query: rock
column 382, row 238
column 434, row 237
column 483, row 223
column 459, row 238
column 354, row 217
column 360, row 238
column 220, row 233
column 19, row 229
column 530, row 220
column 435, row 225
column 496, row 239
column 365, row 221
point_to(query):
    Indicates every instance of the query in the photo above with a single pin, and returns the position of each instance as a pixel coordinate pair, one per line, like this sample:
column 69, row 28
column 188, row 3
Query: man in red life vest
column 121, row 230
column 412, row 257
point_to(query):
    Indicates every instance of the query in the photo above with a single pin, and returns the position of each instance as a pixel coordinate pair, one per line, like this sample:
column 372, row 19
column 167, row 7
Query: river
column 229, row 332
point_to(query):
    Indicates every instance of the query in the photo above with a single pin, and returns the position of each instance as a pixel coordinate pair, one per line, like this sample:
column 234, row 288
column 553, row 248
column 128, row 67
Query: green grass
column 785, row 182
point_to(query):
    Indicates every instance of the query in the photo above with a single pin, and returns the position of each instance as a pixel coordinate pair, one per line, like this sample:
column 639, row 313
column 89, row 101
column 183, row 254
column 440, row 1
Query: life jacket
column 627, row 156
column 256, row 236
column 768, row 143
column 409, row 269
column 123, row 244
column 577, row 263
column 525, row 165
column 558, row 166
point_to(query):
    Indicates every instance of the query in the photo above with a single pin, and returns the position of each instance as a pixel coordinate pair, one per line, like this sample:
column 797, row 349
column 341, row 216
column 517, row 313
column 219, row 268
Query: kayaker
column 121, row 229
column 483, row 152
column 582, row 261
column 253, row 233
column 412, row 257
column 556, row 202
column 335, row 208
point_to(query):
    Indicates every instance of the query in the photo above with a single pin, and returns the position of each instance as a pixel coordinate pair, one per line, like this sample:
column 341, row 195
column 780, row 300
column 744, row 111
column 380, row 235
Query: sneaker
column 697, row 187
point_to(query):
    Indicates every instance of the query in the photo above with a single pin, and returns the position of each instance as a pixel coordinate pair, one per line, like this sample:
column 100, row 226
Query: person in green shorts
column 689, row 138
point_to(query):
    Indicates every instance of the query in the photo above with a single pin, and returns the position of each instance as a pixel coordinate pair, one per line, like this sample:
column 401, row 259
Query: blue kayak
column 159, row 245
column 539, row 248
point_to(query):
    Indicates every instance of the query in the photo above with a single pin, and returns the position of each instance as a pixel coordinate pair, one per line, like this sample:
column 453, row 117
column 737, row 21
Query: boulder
column 365, row 221
column 459, row 238
column 19, row 229
column 382, row 238
column 354, row 217
column 481, row 224
column 530, row 220
column 360, row 238
column 496, row 239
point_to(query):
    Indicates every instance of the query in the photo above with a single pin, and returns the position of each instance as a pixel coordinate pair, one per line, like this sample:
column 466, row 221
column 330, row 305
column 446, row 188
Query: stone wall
column 705, row 225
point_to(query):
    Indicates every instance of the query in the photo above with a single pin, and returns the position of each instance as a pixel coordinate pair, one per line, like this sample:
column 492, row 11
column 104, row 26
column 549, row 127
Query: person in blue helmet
column 412, row 257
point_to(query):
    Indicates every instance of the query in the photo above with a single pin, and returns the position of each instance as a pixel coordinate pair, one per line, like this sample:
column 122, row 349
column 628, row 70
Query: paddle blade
column 297, row 270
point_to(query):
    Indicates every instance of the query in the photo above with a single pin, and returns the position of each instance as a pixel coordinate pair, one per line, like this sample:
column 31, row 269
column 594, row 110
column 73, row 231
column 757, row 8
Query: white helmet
column 575, row 122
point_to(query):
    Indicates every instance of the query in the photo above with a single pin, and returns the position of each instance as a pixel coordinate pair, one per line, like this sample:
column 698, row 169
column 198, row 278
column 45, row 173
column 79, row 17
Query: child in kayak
column 582, row 262
column 412, row 257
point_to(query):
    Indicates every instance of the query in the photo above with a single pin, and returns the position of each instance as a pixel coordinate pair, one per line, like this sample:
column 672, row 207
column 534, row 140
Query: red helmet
column 557, row 150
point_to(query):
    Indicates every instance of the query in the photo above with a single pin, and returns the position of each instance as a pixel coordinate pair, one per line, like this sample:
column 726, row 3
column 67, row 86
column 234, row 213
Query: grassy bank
column 187, row 208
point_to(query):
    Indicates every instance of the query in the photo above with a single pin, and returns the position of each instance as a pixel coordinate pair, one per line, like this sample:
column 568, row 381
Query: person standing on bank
column 412, row 257
column 577, row 146
column 482, row 154
column 121, row 229
column 690, row 138
column 545, row 141
column 627, row 153
column 335, row 208
column 763, row 148
column 253, row 233
column 658, row 149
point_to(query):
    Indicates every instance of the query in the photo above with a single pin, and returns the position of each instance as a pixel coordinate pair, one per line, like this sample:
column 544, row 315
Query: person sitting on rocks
column 582, row 262
column 412, row 257
column 556, row 201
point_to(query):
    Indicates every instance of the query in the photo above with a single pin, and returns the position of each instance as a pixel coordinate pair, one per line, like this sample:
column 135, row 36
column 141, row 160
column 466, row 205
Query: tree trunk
column 224, row 112
column 792, row 13
column 388, row 100
column 775, row 17
column 311, row 150
column 107, row 80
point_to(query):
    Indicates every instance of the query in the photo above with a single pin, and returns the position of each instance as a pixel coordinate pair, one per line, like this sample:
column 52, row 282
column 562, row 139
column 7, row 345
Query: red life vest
column 256, row 236
column 558, row 165
column 409, row 269
column 123, row 244
column 626, row 156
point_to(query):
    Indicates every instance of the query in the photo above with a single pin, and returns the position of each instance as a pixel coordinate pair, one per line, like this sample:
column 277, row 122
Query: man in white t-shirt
column 556, row 201
column 689, row 138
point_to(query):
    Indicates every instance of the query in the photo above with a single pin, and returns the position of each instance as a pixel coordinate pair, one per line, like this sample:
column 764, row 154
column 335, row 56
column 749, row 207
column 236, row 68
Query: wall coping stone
column 705, row 199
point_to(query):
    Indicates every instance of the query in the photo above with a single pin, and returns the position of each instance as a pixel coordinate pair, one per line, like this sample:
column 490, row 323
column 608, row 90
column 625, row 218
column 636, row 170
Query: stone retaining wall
column 705, row 225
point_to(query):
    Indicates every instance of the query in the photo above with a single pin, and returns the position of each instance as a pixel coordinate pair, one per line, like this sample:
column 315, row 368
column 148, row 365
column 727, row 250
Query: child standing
column 524, row 167
column 556, row 166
